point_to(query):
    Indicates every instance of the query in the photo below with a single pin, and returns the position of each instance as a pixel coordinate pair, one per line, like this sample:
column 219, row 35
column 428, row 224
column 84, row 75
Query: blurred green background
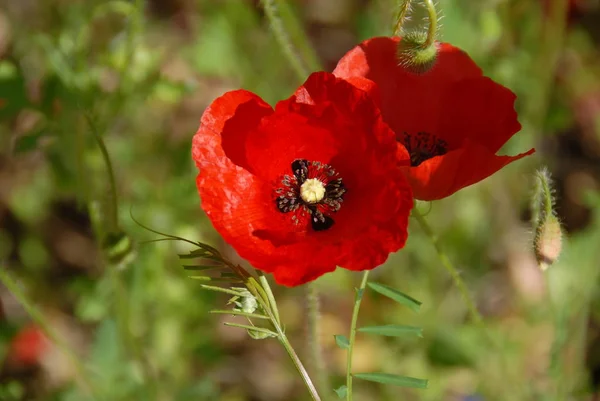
column 139, row 75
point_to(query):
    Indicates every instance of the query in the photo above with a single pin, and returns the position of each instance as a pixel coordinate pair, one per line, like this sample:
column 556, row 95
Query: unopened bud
column 245, row 302
column 548, row 242
column 416, row 53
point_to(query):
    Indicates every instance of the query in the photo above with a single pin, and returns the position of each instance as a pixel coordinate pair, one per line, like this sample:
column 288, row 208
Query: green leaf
column 200, row 267
column 393, row 330
column 216, row 279
column 387, row 378
column 258, row 331
column 198, row 253
column 342, row 341
column 238, row 313
column 396, row 295
column 341, row 391
column 223, row 290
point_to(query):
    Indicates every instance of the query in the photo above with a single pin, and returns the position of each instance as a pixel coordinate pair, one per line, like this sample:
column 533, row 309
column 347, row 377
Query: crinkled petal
column 480, row 110
column 409, row 102
column 441, row 176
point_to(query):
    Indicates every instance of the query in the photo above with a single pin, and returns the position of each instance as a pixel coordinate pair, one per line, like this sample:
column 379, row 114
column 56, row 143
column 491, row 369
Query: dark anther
column 300, row 170
column 319, row 221
column 423, row 146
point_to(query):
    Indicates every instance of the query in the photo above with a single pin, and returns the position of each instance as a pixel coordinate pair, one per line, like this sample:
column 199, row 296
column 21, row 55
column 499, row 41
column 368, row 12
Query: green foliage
column 140, row 77
column 342, row 341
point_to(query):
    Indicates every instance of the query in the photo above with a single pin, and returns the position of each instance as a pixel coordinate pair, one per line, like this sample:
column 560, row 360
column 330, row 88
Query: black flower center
column 314, row 191
column 423, row 146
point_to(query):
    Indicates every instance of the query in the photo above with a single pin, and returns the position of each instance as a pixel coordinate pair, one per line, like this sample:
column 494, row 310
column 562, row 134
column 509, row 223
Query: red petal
column 481, row 110
column 223, row 135
column 409, row 102
column 441, row 176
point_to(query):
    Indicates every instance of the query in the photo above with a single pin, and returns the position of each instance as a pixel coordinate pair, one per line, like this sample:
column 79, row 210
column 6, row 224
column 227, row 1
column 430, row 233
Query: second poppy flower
column 451, row 120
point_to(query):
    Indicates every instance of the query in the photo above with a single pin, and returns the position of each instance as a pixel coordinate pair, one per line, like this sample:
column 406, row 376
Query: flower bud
column 548, row 242
column 416, row 54
column 245, row 302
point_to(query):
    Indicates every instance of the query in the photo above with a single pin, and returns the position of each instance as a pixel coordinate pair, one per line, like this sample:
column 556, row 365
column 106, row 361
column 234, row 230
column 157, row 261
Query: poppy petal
column 441, row 176
column 481, row 110
column 409, row 102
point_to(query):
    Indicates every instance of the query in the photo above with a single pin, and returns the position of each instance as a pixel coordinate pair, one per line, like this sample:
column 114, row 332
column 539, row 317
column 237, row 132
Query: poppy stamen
column 314, row 191
column 423, row 146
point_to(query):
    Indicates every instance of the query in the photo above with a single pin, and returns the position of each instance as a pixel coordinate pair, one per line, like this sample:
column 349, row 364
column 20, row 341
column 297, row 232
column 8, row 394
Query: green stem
column 264, row 295
column 122, row 304
column 113, row 220
column 298, row 364
column 297, row 32
column 433, row 23
column 403, row 12
column 38, row 318
column 458, row 281
column 271, row 298
column 547, row 195
column 357, row 302
column 550, row 45
column 314, row 336
column 283, row 38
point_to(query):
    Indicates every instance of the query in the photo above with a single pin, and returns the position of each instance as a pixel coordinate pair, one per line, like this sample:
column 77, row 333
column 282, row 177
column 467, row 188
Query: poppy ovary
column 312, row 190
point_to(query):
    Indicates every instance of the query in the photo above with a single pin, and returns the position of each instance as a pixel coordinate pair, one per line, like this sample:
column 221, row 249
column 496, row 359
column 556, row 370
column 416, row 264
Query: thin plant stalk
column 549, row 46
column 458, row 281
column 402, row 17
column 314, row 335
column 267, row 302
column 122, row 304
column 300, row 39
column 433, row 23
column 357, row 301
column 283, row 39
column 38, row 317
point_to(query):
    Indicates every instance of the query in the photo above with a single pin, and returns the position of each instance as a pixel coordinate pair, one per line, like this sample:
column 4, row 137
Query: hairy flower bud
column 548, row 242
column 415, row 54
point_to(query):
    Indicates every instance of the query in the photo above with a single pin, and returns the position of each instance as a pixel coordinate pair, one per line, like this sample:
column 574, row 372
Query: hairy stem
column 433, row 23
column 403, row 12
column 283, row 38
column 317, row 364
column 458, row 281
column 357, row 302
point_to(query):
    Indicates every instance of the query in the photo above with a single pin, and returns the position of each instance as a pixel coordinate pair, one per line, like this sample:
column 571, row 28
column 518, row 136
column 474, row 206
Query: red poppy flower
column 307, row 186
column 28, row 346
column 452, row 120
